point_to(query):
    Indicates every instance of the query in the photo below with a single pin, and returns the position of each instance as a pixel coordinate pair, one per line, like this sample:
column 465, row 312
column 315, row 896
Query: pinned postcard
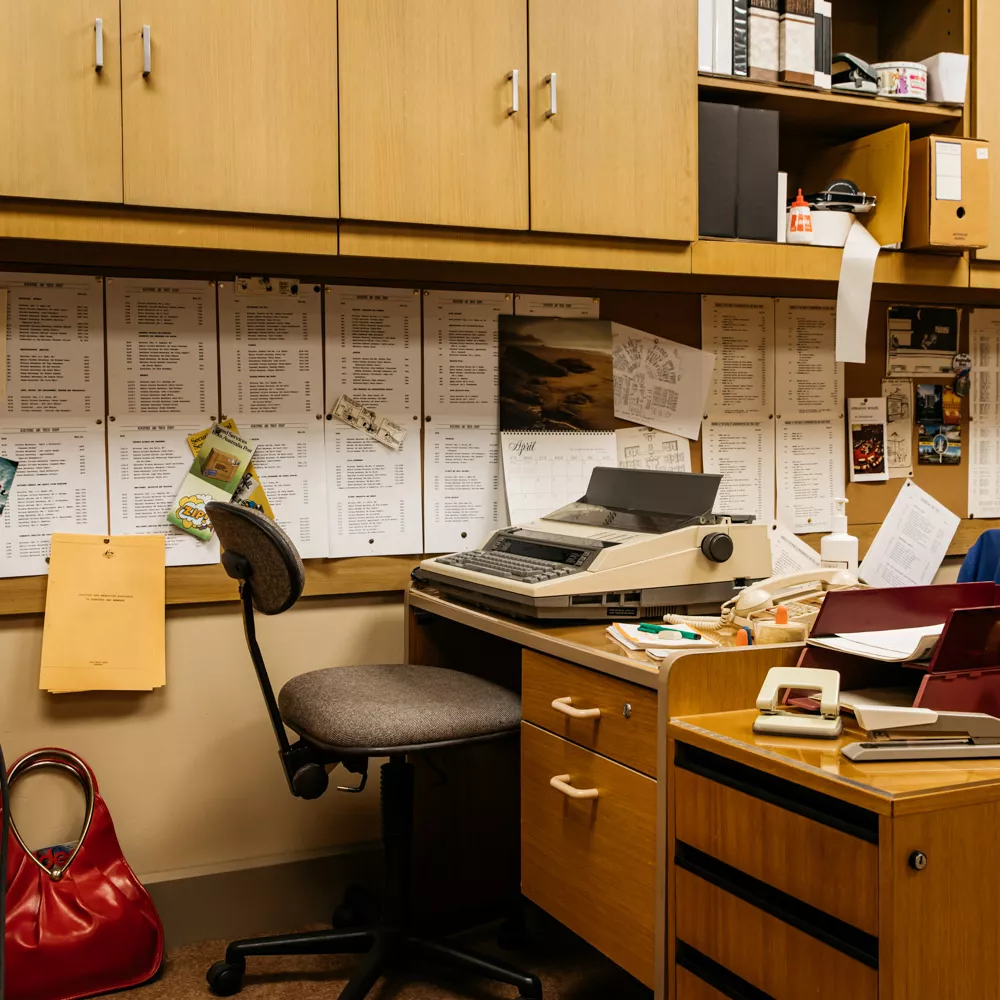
column 930, row 403
column 250, row 492
column 898, row 394
column 922, row 340
column 866, row 419
column 660, row 383
column 384, row 430
column 8, row 467
column 939, row 444
column 648, row 448
column 215, row 474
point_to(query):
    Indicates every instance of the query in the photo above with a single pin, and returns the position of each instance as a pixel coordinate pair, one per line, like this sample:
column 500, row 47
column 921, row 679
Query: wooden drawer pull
column 565, row 705
column 561, row 784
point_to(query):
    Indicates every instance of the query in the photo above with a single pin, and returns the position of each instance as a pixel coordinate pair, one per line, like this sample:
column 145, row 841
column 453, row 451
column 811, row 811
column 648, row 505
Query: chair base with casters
column 348, row 715
column 391, row 941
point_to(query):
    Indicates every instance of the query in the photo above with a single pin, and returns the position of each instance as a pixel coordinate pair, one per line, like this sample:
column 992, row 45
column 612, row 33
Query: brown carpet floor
column 568, row 968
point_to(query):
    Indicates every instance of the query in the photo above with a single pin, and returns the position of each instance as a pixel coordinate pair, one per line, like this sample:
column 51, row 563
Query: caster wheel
column 224, row 980
column 354, row 910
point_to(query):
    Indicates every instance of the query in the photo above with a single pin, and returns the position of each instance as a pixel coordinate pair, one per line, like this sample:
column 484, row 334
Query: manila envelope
column 880, row 165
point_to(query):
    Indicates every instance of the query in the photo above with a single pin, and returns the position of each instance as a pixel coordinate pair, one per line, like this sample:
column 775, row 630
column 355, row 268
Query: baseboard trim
column 256, row 901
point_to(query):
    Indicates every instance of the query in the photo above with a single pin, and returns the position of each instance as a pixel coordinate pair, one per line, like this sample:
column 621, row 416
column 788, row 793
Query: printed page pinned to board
column 912, row 542
column 105, row 618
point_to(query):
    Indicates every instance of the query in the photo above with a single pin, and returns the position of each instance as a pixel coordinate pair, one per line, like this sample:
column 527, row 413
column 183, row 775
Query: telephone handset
column 792, row 590
column 793, row 587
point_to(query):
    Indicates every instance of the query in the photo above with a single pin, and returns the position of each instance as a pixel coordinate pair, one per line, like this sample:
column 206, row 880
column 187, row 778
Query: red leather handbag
column 86, row 925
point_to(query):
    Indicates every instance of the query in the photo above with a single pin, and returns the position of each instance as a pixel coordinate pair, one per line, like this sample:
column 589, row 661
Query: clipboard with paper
column 105, row 623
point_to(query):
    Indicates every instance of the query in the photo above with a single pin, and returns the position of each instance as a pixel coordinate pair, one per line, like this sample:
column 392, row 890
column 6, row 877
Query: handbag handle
column 66, row 761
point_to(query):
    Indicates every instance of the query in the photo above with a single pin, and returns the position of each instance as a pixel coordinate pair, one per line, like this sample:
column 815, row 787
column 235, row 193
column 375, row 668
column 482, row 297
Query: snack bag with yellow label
column 250, row 492
column 215, row 474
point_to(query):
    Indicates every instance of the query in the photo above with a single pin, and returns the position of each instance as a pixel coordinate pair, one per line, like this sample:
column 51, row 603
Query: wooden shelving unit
column 745, row 258
column 806, row 109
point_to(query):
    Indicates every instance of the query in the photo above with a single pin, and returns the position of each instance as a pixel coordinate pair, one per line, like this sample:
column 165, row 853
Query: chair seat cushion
column 385, row 706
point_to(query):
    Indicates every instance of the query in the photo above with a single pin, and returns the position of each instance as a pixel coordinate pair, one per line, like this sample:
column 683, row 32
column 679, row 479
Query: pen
column 656, row 629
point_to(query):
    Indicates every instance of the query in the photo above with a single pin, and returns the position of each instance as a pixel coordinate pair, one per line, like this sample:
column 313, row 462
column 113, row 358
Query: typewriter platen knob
column 717, row 546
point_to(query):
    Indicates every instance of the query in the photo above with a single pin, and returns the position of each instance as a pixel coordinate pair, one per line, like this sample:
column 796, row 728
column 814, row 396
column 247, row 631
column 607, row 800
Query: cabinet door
column 60, row 118
column 425, row 130
column 614, row 143
column 987, row 108
column 238, row 110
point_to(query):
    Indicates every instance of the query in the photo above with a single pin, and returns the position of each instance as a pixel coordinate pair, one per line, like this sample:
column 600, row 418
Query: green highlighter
column 656, row 629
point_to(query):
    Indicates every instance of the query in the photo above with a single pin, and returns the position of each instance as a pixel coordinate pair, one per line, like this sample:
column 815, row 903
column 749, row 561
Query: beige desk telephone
column 800, row 592
column 794, row 588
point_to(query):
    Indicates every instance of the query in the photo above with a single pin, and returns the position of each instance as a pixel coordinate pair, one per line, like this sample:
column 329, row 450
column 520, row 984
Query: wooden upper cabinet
column 614, row 150
column 235, row 109
column 425, row 133
column 987, row 110
column 60, row 119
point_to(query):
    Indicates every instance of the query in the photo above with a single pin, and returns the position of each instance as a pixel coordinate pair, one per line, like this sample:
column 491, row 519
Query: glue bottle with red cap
column 800, row 223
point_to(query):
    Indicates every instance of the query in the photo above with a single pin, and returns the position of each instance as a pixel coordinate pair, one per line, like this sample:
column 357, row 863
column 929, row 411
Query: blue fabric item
column 983, row 561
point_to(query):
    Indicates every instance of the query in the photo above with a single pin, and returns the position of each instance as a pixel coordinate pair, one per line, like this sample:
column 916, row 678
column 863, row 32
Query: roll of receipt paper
column 854, row 294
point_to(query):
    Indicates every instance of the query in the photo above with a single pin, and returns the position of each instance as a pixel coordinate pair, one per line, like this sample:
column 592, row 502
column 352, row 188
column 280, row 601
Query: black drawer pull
column 821, row 808
column 717, row 976
column 835, row 933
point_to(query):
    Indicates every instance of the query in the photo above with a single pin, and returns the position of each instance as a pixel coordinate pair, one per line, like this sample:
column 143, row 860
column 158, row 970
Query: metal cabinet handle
column 561, row 784
column 553, row 105
column 565, row 705
column 98, row 44
column 515, row 99
column 147, row 55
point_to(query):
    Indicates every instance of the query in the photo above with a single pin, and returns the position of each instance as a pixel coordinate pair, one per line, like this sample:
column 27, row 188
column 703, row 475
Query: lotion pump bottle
column 839, row 550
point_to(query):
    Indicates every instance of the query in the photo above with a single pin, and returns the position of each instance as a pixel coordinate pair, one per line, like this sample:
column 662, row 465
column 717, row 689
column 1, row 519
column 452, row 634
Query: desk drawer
column 785, row 962
column 715, row 817
column 625, row 735
column 690, row 987
column 590, row 862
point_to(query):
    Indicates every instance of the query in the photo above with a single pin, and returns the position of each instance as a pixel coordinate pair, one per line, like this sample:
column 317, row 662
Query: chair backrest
column 262, row 557
column 982, row 562
column 257, row 551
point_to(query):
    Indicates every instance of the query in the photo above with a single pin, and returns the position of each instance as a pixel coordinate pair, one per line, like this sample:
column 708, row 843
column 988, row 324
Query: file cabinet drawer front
column 690, row 987
column 784, row 962
column 724, row 822
column 625, row 730
column 590, row 862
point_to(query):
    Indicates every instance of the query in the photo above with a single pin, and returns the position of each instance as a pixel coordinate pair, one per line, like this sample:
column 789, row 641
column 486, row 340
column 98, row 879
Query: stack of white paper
column 897, row 645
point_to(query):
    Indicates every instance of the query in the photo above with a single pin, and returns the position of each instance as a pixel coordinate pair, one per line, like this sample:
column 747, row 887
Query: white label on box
column 948, row 171
column 982, row 153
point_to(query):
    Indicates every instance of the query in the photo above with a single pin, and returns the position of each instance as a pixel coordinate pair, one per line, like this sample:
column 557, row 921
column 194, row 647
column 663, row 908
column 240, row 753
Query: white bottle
column 800, row 225
column 839, row 550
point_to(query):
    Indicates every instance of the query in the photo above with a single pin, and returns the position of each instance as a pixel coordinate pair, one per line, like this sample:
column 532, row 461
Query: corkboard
column 949, row 485
column 673, row 314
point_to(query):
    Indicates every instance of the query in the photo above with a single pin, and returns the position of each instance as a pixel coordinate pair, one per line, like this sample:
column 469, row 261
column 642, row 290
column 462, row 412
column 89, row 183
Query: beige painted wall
column 190, row 772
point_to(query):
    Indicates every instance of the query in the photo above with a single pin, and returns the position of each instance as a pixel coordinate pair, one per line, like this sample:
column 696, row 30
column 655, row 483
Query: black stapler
column 854, row 76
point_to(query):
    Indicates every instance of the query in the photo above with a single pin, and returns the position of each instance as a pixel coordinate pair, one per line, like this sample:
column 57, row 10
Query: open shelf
column 784, row 261
column 821, row 111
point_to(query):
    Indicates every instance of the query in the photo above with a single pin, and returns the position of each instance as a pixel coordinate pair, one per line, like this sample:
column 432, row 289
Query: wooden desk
column 598, row 864
column 802, row 874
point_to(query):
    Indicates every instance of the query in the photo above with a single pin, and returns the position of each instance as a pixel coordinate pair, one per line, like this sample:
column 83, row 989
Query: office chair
column 346, row 715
